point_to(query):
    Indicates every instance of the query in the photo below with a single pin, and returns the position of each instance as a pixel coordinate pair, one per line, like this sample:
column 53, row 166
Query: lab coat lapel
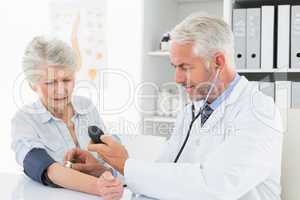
column 218, row 114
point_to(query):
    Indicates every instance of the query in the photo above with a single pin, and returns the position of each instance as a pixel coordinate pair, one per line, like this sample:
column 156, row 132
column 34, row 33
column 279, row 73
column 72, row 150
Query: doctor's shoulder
column 264, row 110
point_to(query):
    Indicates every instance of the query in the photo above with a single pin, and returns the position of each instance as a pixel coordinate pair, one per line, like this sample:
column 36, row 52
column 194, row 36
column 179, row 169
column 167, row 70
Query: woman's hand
column 109, row 187
column 84, row 162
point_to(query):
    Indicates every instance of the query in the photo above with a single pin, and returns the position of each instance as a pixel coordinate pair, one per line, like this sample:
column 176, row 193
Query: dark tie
column 207, row 111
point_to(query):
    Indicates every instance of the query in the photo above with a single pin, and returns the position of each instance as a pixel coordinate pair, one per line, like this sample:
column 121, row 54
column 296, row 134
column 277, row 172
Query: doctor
column 226, row 144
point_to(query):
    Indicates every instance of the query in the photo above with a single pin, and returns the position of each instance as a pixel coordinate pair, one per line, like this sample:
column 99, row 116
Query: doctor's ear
column 220, row 61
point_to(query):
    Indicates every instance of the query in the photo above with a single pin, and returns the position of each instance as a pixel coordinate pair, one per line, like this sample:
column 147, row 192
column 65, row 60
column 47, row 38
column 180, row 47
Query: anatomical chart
column 82, row 24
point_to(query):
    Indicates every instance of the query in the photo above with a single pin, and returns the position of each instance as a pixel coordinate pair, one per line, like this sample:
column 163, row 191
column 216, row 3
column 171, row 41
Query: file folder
column 253, row 38
column 267, row 37
column 283, row 100
column 268, row 88
column 295, row 37
column 283, row 37
column 283, row 94
column 239, row 31
column 295, row 94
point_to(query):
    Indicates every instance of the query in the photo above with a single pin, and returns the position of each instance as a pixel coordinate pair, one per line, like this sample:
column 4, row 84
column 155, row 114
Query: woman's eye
column 67, row 80
column 49, row 82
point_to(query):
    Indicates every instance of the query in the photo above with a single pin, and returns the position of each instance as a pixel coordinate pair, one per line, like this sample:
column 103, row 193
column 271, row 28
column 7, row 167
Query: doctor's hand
column 84, row 162
column 112, row 152
column 109, row 187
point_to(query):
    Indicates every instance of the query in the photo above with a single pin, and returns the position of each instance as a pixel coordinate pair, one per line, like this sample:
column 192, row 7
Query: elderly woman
column 44, row 132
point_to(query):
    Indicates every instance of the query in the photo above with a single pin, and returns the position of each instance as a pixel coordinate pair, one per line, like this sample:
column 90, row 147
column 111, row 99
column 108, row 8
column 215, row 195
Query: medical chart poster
column 82, row 24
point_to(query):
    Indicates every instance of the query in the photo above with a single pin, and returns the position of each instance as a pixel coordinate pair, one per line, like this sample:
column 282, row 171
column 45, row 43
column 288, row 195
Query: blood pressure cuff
column 36, row 163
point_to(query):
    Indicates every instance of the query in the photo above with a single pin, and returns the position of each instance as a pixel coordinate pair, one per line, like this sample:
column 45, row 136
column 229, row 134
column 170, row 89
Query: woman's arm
column 39, row 166
column 72, row 179
column 107, row 186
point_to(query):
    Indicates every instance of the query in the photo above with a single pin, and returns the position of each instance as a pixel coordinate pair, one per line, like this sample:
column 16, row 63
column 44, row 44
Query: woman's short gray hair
column 44, row 50
column 209, row 35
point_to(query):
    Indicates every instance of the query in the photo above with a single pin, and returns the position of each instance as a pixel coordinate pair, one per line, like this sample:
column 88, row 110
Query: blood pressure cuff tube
column 36, row 163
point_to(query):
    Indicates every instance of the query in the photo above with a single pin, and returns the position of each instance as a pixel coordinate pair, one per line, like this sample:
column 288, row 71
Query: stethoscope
column 194, row 118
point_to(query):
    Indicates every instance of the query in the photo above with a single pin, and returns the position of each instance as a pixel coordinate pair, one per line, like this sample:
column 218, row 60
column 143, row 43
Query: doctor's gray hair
column 43, row 50
column 209, row 35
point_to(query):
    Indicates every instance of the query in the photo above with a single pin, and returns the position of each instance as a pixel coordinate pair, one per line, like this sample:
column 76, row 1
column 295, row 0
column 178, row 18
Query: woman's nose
column 60, row 90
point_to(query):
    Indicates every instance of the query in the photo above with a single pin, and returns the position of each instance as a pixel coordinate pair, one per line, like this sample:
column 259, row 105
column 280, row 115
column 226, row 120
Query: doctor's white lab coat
column 236, row 155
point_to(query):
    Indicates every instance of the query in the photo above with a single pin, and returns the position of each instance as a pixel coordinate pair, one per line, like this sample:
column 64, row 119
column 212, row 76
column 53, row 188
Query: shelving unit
column 268, row 71
column 159, row 18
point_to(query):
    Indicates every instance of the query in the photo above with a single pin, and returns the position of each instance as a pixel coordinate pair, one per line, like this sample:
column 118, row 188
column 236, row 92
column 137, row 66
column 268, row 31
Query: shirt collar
column 222, row 97
column 46, row 116
column 226, row 92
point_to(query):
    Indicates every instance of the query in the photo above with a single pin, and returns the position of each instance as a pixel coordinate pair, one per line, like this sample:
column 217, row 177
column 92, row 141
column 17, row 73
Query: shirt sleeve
column 35, row 166
column 29, row 149
column 24, row 137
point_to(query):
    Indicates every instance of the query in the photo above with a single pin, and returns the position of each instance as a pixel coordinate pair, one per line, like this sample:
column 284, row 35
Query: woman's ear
column 33, row 87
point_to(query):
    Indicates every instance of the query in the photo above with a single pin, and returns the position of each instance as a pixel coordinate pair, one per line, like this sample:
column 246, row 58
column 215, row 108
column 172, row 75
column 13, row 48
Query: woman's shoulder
column 29, row 116
column 29, row 110
column 83, row 104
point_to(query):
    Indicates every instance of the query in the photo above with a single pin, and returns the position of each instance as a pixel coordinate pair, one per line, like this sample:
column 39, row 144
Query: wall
column 21, row 20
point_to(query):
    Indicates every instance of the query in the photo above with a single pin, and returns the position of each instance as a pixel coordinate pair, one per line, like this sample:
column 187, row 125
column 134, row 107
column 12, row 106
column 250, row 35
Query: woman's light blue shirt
column 34, row 126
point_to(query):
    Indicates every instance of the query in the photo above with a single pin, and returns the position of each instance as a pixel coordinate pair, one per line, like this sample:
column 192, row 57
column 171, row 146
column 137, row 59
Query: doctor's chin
column 150, row 100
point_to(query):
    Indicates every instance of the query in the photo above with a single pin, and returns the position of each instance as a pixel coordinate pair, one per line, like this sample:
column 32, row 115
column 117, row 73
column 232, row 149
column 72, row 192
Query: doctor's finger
column 82, row 167
column 112, row 191
column 109, row 140
column 107, row 181
column 107, row 176
column 110, row 180
column 99, row 148
column 112, row 183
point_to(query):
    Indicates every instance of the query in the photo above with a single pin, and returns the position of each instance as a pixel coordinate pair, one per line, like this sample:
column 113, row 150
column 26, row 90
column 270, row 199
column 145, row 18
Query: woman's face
column 55, row 87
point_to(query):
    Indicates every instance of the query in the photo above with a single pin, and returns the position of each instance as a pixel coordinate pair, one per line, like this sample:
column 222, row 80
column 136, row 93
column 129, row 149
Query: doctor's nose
column 180, row 76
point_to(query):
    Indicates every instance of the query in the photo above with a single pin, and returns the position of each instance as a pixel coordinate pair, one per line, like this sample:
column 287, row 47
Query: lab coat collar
column 232, row 98
column 237, row 91
column 198, row 105
column 221, row 98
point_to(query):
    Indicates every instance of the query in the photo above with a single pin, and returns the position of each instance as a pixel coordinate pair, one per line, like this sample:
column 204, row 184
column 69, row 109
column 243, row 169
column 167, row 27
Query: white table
column 20, row 187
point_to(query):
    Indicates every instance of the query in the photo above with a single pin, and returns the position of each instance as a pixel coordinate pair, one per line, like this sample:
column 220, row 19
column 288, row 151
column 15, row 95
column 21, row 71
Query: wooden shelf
column 159, row 53
column 160, row 119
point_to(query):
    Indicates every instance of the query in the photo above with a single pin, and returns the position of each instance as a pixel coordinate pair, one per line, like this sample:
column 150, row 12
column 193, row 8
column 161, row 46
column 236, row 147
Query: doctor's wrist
column 121, row 165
